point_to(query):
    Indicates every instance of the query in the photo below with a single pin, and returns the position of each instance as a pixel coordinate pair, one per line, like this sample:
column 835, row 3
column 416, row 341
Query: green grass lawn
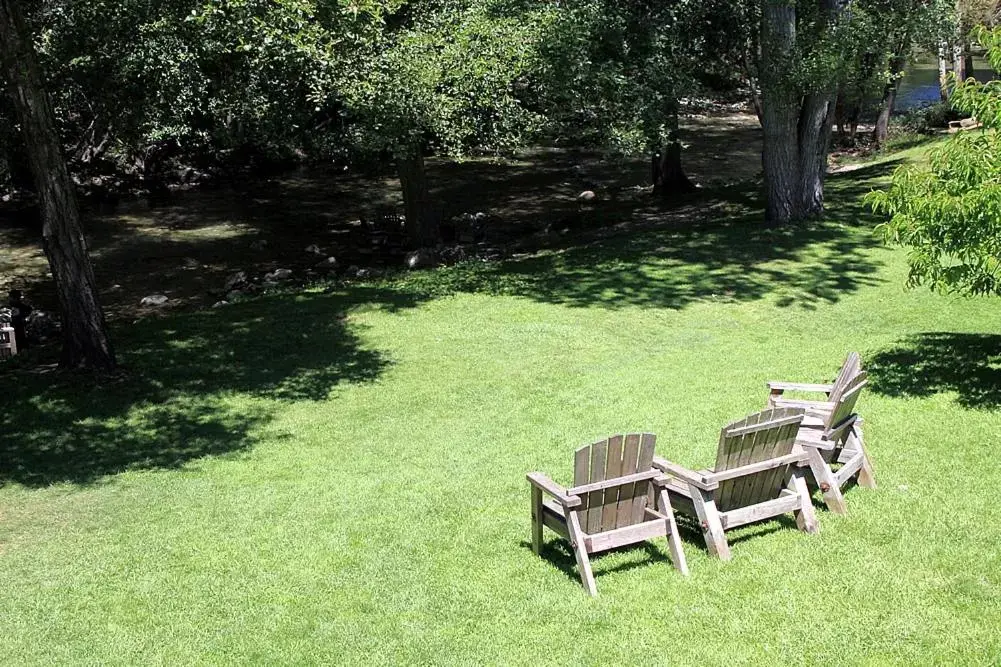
column 338, row 476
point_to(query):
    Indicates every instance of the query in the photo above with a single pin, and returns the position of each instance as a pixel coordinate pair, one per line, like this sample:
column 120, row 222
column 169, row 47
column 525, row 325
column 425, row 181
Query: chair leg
column 806, row 517
column 712, row 527
column 772, row 395
column 673, row 538
column 866, row 476
column 580, row 551
column 827, row 483
column 536, row 520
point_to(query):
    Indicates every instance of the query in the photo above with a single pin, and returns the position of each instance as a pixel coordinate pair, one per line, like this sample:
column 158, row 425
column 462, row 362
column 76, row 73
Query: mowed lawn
column 339, row 476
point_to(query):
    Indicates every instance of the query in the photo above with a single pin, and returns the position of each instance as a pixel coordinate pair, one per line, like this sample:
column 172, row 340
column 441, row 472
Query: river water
column 919, row 87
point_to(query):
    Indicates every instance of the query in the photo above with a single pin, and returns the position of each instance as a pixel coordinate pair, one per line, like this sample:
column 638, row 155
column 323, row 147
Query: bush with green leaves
column 949, row 214
column 928, row 119
column 215, row 75
column 611, row 73
column 443, row 77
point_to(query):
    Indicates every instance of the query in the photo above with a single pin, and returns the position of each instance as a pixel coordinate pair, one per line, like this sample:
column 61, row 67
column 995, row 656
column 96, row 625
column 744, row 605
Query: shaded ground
column 967, row 364
column 187, row 248
column 171, row 404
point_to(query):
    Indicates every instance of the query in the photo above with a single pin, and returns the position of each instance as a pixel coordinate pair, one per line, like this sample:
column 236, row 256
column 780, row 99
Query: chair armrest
column 543, row 483
column 684, row 474
column 661, row 482
column 779, row 387
column 806, row 404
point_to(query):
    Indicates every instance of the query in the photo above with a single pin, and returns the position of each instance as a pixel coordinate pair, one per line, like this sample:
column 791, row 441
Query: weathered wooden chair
column 757, row 476
column 8, row 343
column 618, row 498
column 837, row 441
column 849, row 369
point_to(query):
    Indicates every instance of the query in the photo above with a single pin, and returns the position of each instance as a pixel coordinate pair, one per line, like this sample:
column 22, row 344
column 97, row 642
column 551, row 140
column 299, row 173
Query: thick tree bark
column 85, row 339
column 797, row 127
column 780, row 112
column 669, row 177
column 814, row 139
column 422, row 227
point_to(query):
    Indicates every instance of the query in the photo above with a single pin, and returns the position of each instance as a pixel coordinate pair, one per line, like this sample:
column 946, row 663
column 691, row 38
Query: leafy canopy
column 949, row 214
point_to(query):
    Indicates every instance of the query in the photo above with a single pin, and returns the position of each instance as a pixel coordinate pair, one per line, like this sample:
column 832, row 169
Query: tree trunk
column 749, row 78
column 422, row 227
column 780, row 113
column 797, row 127
column 943, row 72
column 882, row 129
column 669, row 177
column 814, row 138
column 85, row 338
column 959, row 62
column 839, row 115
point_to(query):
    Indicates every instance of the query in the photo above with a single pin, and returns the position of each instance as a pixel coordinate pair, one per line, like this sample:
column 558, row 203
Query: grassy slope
column 341, row 479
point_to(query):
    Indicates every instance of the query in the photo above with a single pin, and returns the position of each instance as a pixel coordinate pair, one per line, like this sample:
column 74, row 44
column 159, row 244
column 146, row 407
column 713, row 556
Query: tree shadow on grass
column 713, row 247
column 198, row 385
column 673, row 268
column 968, row 364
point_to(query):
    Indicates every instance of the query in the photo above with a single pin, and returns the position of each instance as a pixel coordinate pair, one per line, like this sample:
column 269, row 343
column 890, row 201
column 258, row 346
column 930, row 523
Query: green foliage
column 929, row 119
column 950, row 213
column 215, row 73
column 611, row 73
column 450, row 79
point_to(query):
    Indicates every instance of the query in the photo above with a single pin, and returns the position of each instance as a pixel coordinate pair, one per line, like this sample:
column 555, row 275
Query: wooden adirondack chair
column 8, row 343
column 757, row 476
column 618, row 498
column 849, row 369
column 837, row 441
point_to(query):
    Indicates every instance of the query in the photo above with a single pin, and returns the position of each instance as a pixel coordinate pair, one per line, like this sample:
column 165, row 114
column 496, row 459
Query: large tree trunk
column 882, row 129
column 797, row 127
column 422, row 227
column 814, row 138
column 85, row 338
column 780, row 113
column 669, row 177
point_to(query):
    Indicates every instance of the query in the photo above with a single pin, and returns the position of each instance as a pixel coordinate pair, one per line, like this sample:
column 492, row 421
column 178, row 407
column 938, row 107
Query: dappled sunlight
column 198, row 385
column 674, row 268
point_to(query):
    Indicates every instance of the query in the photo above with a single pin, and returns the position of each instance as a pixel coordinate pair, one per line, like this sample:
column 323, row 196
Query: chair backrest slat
column 594, row 472
column 849, row 369
column 845, row 405
column 624, row 508
column 643, row 493
column 613, row 469
column 582, row 475
column 740, row 446
column 617, row 456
